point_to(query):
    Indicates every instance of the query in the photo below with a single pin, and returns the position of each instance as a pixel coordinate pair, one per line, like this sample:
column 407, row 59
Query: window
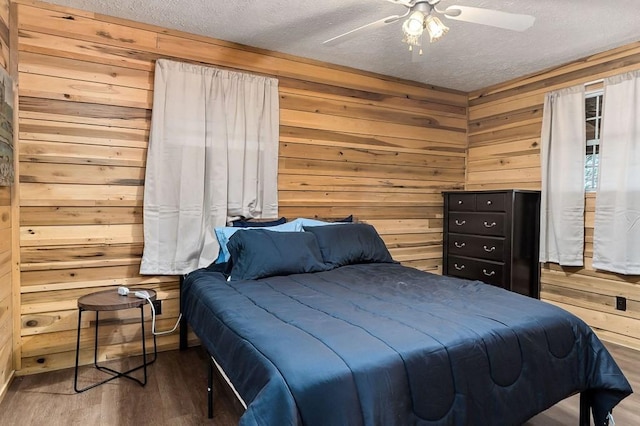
column 593, row 121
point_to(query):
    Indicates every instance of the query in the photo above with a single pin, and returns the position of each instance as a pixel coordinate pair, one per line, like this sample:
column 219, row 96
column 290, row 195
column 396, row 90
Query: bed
column 324, row 328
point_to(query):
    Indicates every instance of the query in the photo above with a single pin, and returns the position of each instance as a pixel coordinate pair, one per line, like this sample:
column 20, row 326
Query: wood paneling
column 6, row 294
column 351, row 142
column 504, row 152
column 4, row 34
column 6, row 237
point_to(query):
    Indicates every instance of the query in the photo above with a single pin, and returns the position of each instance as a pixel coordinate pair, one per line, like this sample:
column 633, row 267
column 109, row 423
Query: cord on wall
column 124, row 291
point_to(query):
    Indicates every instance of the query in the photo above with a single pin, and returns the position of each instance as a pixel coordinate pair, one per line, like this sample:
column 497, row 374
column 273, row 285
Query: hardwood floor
column 176, row 395
column 627, row 413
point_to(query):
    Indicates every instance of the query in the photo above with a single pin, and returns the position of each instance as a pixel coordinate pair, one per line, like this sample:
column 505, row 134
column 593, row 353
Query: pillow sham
column 223, row 234
column 345, row 244
column 217, row 267
column 260, row 253
column 314, row 222
column 245, row 223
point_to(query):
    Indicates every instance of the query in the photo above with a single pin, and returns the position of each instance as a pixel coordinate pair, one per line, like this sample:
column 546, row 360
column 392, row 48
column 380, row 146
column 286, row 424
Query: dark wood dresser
column 494, row 237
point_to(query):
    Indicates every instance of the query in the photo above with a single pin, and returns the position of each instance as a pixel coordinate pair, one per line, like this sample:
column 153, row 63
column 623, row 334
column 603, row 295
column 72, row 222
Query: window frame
column 592, row 146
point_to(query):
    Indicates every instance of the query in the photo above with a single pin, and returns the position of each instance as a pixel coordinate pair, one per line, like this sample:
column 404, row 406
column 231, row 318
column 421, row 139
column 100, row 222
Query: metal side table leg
column 144, row 347
column 144, row 364
column 75, row 377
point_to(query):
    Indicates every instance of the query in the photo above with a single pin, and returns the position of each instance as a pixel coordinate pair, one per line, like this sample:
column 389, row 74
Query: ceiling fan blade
column 354, row 32
column 493, row 18
column 407, row 3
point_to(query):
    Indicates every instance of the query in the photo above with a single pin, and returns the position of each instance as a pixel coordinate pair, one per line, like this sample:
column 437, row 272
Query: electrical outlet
column 157, row 305
column 621, row 303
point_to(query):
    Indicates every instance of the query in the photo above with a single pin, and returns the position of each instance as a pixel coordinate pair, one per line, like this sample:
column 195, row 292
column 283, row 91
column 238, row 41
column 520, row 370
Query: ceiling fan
column 422, row 15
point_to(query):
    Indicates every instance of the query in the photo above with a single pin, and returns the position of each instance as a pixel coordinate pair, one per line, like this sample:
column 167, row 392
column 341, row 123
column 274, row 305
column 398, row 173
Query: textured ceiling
column 469, row 57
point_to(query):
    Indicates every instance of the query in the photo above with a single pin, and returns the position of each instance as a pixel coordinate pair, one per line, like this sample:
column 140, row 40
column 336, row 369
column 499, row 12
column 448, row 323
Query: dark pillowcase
column 242, row 223
column 217, row 267
column 345, row 244
column 258, row 253
column 347, row 219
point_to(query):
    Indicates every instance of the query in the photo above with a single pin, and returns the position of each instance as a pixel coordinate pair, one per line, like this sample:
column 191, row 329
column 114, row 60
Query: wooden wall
column 6, row 241
column 504, row 152
column 351, row 143
column 6, row 294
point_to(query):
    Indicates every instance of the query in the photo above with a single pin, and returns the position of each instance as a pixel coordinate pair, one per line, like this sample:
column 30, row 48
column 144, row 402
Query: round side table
column 110, row 300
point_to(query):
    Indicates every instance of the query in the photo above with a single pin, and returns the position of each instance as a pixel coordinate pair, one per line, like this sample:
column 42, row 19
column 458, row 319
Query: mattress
column 384, row 344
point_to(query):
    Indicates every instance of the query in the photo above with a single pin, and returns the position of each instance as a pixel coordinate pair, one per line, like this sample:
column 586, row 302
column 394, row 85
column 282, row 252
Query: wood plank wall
column 351, row 143
column 504, row 152
column 6, row 242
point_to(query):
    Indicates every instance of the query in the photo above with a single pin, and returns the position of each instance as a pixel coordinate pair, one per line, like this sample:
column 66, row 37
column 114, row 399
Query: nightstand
column 110, row 300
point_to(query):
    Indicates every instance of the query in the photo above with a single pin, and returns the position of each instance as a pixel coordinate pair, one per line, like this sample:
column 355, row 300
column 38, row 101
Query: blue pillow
column 259, row 253
column 241, row 223
column 224, row 233
column 345, row 244
column 314, row 222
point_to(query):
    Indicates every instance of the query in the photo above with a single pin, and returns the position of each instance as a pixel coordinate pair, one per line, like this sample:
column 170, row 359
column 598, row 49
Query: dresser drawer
column 477, row 223
column 462, row 202
column 490, row 248
column 491, row 202
column 485, row 271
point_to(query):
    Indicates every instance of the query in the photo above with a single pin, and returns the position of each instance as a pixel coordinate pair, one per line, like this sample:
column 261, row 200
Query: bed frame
column 585, row 399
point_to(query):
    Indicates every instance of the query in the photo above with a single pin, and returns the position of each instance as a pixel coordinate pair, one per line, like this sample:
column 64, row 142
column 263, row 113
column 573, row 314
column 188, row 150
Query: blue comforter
column 383, row 344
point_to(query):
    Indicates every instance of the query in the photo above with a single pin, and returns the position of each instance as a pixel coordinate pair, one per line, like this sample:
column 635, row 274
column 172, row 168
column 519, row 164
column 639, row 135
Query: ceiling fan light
column 435, row 27
column 414, row 25
column 412, row 40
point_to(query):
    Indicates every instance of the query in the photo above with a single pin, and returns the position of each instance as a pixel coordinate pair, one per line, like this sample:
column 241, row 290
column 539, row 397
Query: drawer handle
column 459, row 245
column 460, row 202
column 488, row 274
column 489, row 250
column 461, row 222
column 489, row 225
column 489, row 202
column 458, row 267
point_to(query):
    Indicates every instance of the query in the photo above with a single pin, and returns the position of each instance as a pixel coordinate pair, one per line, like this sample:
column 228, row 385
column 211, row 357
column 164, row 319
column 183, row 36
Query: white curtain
column 562, row 157
column 213, row 153
column 616, row 245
